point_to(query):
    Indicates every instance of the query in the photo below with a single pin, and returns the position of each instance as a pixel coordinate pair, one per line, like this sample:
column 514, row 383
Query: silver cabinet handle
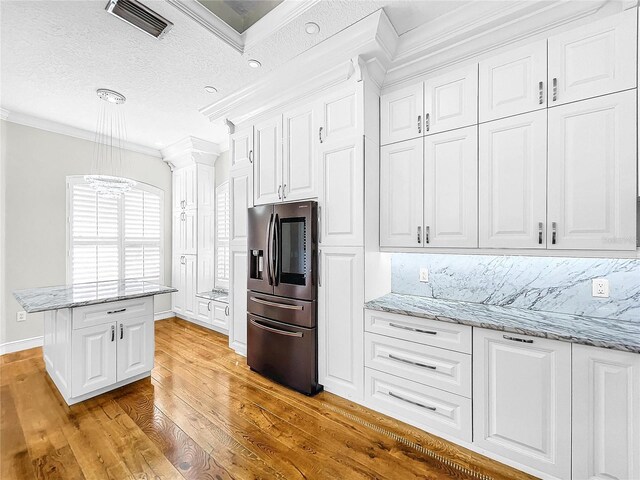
column 426, row 122
column 419, row 232
column 276, row 304
column 555, row 89
column 117, row 311
column 320, row 134
column 121, row 332
column 403, row 327
column 427, row 230
column 540, row 233
column 250, row 156
column 284, row 191
column 279, row 188
column 319, row 224
column 113, row 333
column 554, row 230
column 183, row 260
column 226, row 311
column 410, row 362
column 419, row 123
column 391, row 394
column 516, row 339
column 319, row 265
column 209, row 306
column 276, row 330
column 540, row 93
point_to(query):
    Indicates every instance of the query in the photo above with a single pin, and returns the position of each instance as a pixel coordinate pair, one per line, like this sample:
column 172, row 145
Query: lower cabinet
column 238, row 300
column 213, row 313
column 606, row 414
column 135, row 344
column 184, row 278
column 522, row 399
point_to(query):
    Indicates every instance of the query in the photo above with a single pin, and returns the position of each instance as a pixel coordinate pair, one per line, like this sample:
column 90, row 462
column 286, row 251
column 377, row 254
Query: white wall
column 222, row 166
column 35, row 164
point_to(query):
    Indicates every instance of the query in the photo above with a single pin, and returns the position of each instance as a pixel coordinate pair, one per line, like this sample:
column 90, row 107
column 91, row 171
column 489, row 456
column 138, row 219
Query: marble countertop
column 217, row 294
column 599, row 332
column 69, row 296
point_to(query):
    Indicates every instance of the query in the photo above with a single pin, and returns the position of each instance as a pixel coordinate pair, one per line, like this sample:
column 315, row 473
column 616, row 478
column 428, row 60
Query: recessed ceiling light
column 311, row 28
column 254, row 63
column 210, row 89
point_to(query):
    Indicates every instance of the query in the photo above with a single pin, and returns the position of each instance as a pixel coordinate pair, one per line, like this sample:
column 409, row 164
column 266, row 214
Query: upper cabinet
column 592, row 60
column 451, row 100
column 267, row 162
column 337, row 117
column 241, row 197
column 513, row 82
column 185, row 188
column 401, row 114
column 298, row 154
column 592, row 174
column 241, row 147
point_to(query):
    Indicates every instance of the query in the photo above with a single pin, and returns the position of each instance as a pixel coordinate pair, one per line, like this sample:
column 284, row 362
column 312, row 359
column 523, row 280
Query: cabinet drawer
column 421, row 330
column 425, row 407
column 112, row 312
column 432, row 366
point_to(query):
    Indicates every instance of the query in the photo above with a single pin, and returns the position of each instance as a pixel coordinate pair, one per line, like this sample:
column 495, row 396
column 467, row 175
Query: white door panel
column 267, row 164
column 241, row 195
column 135, row 347
column 401, row 114
column 94, row 354
column 451, row 100
column 299, row 168
column 241, row 147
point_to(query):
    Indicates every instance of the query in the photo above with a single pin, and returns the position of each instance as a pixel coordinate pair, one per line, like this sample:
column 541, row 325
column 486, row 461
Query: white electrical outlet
column 424, row 274
column 21, row 316
column 600, row 287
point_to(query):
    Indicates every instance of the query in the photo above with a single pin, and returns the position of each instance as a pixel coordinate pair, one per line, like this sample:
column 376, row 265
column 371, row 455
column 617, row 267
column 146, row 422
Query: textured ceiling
column 55, row 54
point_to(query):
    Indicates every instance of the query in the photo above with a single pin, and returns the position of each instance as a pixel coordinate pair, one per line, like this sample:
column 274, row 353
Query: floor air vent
column 140, row 16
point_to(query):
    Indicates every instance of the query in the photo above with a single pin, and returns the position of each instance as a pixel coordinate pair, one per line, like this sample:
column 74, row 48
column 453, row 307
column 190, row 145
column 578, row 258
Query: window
column 114, row 239
column 222, row 235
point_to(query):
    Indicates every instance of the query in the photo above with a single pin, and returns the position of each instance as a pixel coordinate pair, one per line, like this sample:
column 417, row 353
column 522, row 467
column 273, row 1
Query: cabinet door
column 241, row 196
column 451, row 189
column 178, row 231
column 190, row 187
column 177, row 181
column 336, row 117
column 451, row 100
column 513, row 182
column 177, row 281
column 206, row 230
column 606, row 413
column 513, row 82
column 522, row 399
column 241, row 147
column 205, row 186
column 190, row 221
column 203, row 310
column 94, row 354
column 401, row 114
column 341, row 175
column 220, row 316
column 595, row 59
column 267, row 164
column 401, row 194
column 135, row 347
column 189, row 279
column 298, row 160
column 592, row 174
column 206, row 272
column 340, row 321
column 238, row 301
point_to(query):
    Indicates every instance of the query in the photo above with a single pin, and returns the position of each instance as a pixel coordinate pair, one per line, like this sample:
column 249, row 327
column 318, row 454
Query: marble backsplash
column 538, row 283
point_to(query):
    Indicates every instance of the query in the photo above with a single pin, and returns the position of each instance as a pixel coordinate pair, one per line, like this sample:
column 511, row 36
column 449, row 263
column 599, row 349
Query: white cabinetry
column 185, row 280
column 513, row 82
column 185, row 232
column 267, row 163
column 513, row 182
column 213, row 313
column 522, row 399
column 592, row 174
column 241, row 195
column 606, row 414
column 185, row 190
column 135, row 347
column 241, row 147
column 451, row 189
column 238, row 300
column 595, row 59
column 401, row 114
column 299, row 152
column 94, row 353
column 401, row 190
column 451, row 100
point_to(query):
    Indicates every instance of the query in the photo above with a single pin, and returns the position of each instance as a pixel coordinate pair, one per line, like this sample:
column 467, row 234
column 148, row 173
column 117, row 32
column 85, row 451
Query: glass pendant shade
column 106, row 170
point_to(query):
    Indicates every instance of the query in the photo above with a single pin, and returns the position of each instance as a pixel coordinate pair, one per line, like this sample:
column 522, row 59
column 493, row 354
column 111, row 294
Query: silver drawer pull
column 276, row 330
column 410, row 362
column 275, row 304
column 391, row 394
column 429, row 332
column 116, row 311
column 516, row 339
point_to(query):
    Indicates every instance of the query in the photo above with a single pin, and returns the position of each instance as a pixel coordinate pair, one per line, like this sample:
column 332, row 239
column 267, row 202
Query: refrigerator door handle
column 267, row 252
column 276, row 248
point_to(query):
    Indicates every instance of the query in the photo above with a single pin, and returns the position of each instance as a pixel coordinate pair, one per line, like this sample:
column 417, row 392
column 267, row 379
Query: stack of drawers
column 419, row 371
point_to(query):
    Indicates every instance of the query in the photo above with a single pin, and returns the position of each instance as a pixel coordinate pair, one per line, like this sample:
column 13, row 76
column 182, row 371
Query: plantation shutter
column 222, row 235
column 142, row 236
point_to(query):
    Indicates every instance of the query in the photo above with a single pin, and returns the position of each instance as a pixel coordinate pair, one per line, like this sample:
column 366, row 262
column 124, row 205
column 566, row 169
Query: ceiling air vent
column 141, row 17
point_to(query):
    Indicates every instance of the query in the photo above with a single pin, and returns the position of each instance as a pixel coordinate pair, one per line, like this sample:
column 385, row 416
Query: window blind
column 222, row 235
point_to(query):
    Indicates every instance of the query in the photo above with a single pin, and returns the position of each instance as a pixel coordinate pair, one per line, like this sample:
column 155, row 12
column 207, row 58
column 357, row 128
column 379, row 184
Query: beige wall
column 35, row 164
column 222, row 166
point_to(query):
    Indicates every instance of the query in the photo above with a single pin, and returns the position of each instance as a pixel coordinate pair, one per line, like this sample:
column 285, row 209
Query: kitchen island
column 98, row 336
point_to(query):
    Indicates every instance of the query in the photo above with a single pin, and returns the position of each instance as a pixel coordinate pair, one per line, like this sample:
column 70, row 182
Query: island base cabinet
column 522, row 400
column 606, row 414
column 94, row 354
column 134, row 347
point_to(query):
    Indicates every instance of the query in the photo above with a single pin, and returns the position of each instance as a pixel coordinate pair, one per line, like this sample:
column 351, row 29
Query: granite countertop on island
column 217, row 295
column 43, row 299
column 598, row 332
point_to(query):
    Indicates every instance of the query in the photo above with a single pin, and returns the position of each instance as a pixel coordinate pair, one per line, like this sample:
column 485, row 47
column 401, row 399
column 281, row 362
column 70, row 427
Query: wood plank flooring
column 204, row 415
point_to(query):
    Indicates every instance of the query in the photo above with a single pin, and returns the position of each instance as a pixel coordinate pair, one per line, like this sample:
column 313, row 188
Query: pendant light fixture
column 106, row 177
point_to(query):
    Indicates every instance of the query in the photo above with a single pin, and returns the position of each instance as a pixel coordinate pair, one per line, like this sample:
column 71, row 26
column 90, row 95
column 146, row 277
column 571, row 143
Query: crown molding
column 190, row 150
column 273, row 21
column 64, row 129
column 324, row 65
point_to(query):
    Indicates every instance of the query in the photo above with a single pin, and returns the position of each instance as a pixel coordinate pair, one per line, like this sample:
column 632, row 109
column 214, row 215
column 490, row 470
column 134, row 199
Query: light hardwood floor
column 205, row 415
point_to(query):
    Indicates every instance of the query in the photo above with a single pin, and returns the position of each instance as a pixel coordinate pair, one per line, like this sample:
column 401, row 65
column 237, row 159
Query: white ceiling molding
column 481, row 28
column 322, row 66
column 190, row 150
column 273, row 21
column 63, row 129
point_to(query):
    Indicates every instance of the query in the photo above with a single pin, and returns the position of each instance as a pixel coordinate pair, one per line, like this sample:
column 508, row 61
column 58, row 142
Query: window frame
column 121, row 243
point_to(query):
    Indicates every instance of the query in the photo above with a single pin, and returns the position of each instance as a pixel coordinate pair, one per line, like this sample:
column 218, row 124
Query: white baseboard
column 163, row 315
column 18, row 345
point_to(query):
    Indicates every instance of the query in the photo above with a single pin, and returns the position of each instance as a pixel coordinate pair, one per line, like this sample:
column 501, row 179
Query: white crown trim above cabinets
column 190, row 150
